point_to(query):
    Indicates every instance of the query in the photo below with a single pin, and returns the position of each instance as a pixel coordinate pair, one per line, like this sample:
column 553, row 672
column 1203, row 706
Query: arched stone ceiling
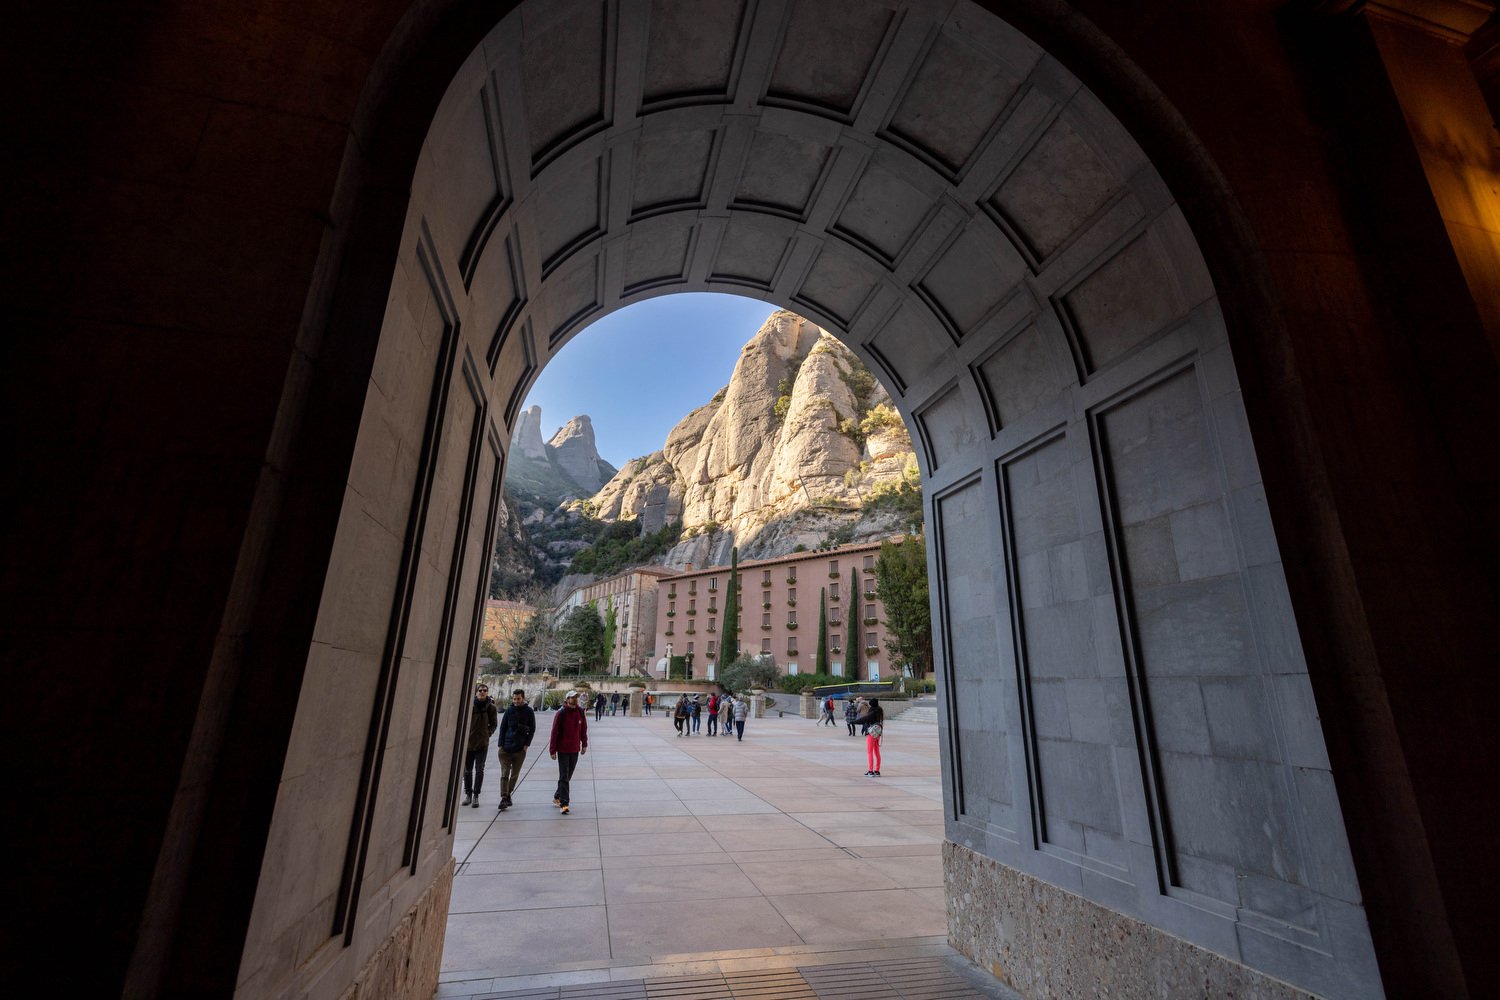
column 916, row 176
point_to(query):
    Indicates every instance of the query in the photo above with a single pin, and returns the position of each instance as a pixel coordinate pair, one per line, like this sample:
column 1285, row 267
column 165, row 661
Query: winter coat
column 741, row 709
column 570, row 731
column 517, row 727
column 482, row 723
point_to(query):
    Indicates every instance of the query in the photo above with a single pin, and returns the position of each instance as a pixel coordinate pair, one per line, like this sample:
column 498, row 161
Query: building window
column 671, row 607
column 767, row 578
column 870, row 612
column 791, row 668
column 765, row 645
column 625, row 621
column 693, row 587
column 869, row 564
column 690, row 649
column 791, row 617
column 791, row 648
column 791, row 574
column 791, row 596
column 713, row 585
column 834, row 617
column 869, row 640
column 692, row 607
column 711, row 623
column 838, row 670
column 710, row 647
column 833, row 591
column 833, row 568
column 765, row 620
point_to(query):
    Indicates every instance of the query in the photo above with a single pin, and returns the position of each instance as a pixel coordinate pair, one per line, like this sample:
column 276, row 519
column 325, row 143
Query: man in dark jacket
column 570, row 738
column 482, row 722
column 517, row 727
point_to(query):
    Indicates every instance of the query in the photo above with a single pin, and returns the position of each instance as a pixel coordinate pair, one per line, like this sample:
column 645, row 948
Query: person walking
column 482, row 722
column 714, row 702
column 873, row 720
column 570, row 740
column 599, row 706
column 697, row 713
column 741, row 710
column 614, row 704
column 851, row 712
column 827, row 711
column 517, row 727
column 647, row 702
column 680, row 716
column 726, row 714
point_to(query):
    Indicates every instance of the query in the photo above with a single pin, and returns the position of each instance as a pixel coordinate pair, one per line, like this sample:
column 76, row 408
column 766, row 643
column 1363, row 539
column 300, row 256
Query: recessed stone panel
column 954, row 100
column 838, row 283
column 969, row 280
column 690, row 49
column 827, row 51
column 781, row 173
column 749, row 254
column 883, row 212
column 949, row 427
column 563, row 76
column 908, row 345
column 1067, row 704
column 1020, row 376
column 1057, row 186
column 463, row 157
column 671, row 170
column 569, row 297
column 656, row 253
column 969, row 599
column 1121, row 304
column 569, row 213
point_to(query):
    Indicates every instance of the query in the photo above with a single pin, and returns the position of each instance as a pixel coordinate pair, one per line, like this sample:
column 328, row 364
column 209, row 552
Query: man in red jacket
column 570, row 738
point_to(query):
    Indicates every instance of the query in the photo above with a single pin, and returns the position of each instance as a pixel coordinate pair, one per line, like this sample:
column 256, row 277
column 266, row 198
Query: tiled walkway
column 699, row 856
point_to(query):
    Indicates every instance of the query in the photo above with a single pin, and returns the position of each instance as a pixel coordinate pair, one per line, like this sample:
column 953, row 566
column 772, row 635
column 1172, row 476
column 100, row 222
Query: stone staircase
column 922, row 712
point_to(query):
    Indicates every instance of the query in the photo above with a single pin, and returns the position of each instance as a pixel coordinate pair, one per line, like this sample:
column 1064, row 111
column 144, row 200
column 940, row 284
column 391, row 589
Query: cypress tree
column 822, row 664
column 853, row 657
column 729, row 647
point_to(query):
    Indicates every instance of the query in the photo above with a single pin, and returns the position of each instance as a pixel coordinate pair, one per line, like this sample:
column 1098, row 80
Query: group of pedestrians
column 569, row 741
column 688, row 713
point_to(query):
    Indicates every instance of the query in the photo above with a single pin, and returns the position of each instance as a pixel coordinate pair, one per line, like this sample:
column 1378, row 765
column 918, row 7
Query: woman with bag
column 873, row 722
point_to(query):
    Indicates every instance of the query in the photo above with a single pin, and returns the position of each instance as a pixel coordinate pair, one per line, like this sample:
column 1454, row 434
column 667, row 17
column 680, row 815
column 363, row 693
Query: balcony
column 766, row 606
column 711, row 628
column 792, row 580
column 833, row 574
column 871, row 650
column 791, row 602
column 870, row 568
column 791, row 625
column 671, row 614
column 791, row 652
column 765, row 628
column 833, row 596
column 712, row 654
column 669, row 632
column 765, row 583
column 872, row 621
column 692, row 631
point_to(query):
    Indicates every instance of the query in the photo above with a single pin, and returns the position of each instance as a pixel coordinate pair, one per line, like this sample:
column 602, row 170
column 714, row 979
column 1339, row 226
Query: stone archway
column 1130, row 737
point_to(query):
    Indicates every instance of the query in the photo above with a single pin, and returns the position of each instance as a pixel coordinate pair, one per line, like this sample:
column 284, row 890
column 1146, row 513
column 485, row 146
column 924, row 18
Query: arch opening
column 1118, row 656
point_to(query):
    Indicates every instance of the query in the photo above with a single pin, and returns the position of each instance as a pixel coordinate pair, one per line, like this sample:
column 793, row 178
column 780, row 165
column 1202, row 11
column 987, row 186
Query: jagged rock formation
column 513, row 564
column 785, row 455
column 527, row 439
column 572, row 451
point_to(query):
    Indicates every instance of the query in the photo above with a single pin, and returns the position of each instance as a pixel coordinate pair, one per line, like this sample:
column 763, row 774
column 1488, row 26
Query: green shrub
column 797, row 683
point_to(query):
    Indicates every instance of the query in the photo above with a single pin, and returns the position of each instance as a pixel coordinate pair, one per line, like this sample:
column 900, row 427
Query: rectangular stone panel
column 1121, row 304
column 1020, row 376
column 671, row 170
column 970, row 279
column 882, row 213
column 828, row 49
column 908, row 345
column 781, row 173
column 690, row 49
column 1227, row 807
column 564, row 80
column 656, row 253
column 569, row 213
column 568, row 298
column 1058, row 185
column 949, row 427
column 1063, row 689
column 978, row 689
column 749, row 254
column 838, row 283
column 952, row 103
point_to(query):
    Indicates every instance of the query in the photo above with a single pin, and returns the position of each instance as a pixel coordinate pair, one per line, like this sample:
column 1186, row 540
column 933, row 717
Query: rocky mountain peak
column 527, row 439
column 572, row 450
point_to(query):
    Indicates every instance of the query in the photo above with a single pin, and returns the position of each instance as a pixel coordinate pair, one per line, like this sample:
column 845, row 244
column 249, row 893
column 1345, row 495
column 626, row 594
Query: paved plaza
column 684, row 854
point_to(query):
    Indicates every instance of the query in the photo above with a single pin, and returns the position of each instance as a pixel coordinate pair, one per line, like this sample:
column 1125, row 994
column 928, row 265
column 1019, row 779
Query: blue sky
column 641, row 369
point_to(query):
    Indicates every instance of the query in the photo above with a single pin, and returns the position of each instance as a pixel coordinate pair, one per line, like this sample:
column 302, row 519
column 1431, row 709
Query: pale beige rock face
column 574, row 452
column 527, row 438
column 767, row 482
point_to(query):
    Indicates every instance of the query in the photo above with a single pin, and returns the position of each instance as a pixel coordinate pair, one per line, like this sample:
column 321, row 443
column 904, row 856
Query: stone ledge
column 1046, row 942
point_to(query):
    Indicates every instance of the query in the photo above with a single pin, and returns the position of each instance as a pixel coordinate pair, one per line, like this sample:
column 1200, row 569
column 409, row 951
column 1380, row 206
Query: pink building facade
column 779, row 613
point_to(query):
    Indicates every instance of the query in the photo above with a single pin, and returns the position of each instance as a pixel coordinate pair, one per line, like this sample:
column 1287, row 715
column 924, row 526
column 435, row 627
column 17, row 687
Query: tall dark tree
column 822, row 663
column 582, row 635
column 729, row 647
column 901, row 579
column 854, row 643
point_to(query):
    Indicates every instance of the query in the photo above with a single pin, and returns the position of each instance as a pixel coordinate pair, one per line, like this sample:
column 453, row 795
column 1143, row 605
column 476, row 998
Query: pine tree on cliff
column 729, row 648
